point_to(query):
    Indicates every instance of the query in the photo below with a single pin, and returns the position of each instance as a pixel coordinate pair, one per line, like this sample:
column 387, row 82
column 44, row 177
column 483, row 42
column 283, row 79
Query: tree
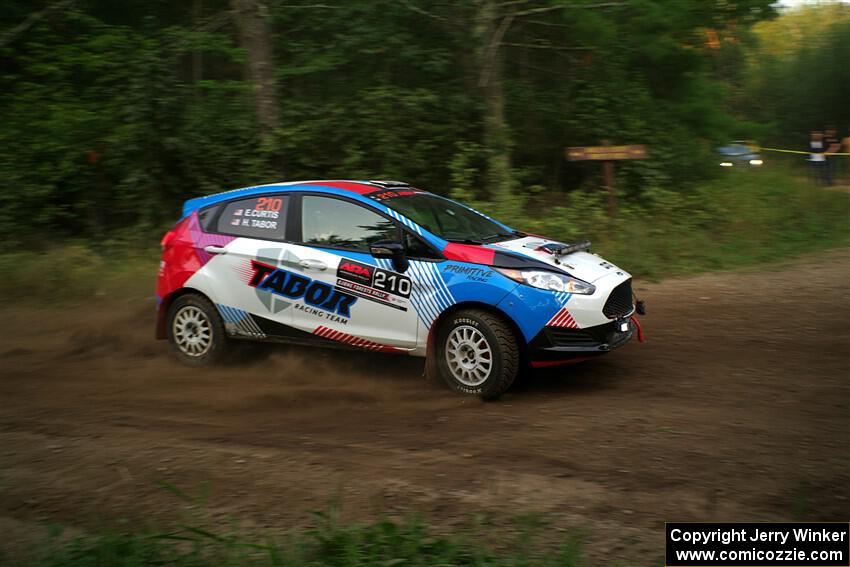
column 489, row 30
column 797, row 78
column 255, row 37
column 481, row 95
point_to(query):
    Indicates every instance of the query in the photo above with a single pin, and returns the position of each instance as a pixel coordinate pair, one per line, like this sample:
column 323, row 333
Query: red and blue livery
column 380, row 265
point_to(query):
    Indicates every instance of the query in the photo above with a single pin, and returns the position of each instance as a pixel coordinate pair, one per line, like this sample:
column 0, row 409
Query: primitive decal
column 472, row 273
column 295, row 286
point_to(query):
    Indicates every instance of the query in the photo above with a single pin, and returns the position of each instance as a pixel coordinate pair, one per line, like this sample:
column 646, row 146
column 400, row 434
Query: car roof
column 331, row 186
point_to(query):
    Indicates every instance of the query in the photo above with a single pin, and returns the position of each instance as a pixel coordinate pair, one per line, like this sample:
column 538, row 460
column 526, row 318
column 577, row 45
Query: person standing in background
column 831, row 146
column 845, row 147
column 816, row 158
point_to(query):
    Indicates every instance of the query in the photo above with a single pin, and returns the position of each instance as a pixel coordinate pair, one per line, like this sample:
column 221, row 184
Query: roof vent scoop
column 559, row 249
column 388, row 184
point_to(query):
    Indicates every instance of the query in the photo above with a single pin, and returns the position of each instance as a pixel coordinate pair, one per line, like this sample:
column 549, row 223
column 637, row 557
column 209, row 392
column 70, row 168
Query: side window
column 418, row 249
column 262, row 217
column 333, row 222
column 206, row 218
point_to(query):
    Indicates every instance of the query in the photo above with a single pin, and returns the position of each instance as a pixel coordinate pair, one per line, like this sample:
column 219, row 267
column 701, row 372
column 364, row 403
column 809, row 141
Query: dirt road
column 737, row 408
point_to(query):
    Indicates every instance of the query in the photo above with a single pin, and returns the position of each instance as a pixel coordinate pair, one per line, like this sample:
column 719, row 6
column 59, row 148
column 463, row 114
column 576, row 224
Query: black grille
column 619, row 303
column 571, row 337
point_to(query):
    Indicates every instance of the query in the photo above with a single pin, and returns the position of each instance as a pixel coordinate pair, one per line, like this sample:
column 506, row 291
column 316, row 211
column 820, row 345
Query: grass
column 737, row 220
column 740, row 219
column 330, row 543
column 78, row 272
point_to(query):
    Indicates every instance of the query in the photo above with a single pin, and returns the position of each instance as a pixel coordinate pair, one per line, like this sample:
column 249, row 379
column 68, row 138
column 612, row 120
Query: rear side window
column 261, row 217
column 333, row 222
column 207, row 217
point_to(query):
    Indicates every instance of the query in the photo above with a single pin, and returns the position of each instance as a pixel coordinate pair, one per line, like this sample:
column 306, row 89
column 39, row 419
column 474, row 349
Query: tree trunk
column 489, row 30
column 255, row 37
column 197, row 54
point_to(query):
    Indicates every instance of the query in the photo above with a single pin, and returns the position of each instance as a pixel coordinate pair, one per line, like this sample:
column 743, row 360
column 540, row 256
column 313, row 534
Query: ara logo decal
column 379, row 279
column 355, row 271
column 295, row 286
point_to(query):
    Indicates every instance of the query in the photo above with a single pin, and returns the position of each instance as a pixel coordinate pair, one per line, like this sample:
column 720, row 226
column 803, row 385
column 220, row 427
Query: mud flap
column 431, row 371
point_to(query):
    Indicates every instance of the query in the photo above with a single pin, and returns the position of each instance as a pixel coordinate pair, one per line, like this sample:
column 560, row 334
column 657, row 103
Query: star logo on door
column 281, row 258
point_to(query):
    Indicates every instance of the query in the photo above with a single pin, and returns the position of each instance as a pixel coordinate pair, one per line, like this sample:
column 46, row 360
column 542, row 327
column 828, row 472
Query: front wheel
column 477, row 353
column 196, row 331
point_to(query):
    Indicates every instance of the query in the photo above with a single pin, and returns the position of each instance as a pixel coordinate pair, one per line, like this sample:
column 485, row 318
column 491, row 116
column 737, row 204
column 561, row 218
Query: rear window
column 262, row 217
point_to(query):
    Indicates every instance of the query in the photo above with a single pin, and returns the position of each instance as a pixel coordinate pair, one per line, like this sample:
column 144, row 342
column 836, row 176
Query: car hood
column 582, row 265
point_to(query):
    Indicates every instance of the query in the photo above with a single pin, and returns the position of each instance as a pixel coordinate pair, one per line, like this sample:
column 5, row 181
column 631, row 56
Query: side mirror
column 393, row 250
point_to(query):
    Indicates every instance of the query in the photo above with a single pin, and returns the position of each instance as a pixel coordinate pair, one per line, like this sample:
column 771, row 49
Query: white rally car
column 385, row 267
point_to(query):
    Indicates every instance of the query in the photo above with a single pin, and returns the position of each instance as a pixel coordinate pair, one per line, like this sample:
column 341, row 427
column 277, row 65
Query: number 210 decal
column 376, row 278
column 268, row 204
column 392, row 283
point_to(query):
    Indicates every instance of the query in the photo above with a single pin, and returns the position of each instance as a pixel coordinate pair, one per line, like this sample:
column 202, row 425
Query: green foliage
column 71, row 273
column 742, row 218
column 114, row 113
column 78, row 271
column 385, row 543
column 739, row 219
column 99, row 131
column 797, row 76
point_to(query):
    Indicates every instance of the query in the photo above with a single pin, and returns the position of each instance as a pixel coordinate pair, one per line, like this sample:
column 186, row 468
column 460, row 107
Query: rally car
column 740, row 153
column 382, row 266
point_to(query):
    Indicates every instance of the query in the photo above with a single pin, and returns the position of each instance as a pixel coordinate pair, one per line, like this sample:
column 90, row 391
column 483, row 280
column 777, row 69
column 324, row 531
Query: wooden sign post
column 607, row 154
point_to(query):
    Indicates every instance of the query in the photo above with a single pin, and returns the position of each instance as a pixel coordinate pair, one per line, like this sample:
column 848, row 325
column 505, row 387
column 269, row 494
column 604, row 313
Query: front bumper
column 559, row 345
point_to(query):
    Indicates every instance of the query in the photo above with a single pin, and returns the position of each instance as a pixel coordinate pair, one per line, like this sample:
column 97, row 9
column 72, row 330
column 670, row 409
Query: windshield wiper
column 464, row 241
column 498, row 235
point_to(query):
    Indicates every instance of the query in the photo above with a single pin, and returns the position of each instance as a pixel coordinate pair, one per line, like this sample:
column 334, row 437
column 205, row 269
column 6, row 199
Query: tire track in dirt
column 736, row 408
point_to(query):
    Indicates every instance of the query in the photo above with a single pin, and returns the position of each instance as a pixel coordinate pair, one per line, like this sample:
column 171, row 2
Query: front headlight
column 550, row 281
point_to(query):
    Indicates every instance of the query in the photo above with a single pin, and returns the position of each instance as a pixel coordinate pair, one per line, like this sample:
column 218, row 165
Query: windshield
column 447, row 219
column 735, row 150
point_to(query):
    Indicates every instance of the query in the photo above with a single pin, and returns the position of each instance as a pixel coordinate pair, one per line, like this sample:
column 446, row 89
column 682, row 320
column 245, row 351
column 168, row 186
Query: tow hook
column 640, row 309
column 641, row 337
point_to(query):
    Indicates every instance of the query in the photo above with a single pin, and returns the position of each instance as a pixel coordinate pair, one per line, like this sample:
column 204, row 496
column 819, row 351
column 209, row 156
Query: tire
column 196, row 331
column 463, row 343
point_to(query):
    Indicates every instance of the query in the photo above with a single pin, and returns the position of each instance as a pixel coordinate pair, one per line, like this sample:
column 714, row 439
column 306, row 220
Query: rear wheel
column 196, row 331
column 477, row 353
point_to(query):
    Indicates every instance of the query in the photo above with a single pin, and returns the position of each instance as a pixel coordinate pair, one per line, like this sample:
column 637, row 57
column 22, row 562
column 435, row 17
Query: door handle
column 313, row 265
column 215, row 250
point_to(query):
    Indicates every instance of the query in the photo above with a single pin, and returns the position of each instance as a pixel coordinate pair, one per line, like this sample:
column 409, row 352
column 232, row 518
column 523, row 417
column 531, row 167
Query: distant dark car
column 740, row 153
